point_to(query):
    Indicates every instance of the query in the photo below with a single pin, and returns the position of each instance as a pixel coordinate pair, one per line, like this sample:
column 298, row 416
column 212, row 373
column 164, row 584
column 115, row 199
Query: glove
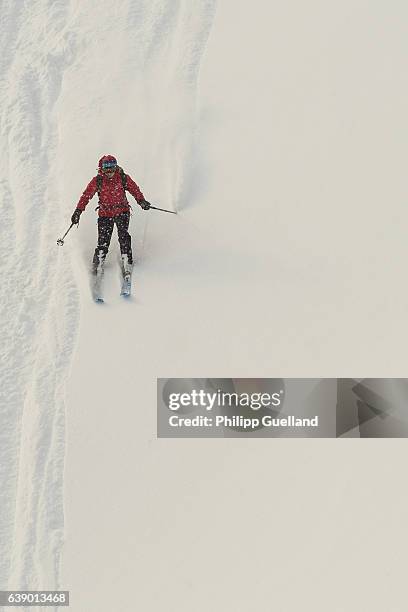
column 144, row 204
column 76, row 215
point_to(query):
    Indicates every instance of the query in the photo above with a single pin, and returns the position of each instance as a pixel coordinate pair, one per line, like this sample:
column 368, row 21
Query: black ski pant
column 105, row 229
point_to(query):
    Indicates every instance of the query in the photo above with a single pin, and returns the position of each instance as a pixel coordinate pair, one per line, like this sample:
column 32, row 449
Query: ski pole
column 60, row 241
column 173, row 212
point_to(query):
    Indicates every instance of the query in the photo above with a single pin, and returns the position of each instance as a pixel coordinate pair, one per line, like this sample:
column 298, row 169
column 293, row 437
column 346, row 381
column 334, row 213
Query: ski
column 126, row 268
column 97, row 282
column 126, row 286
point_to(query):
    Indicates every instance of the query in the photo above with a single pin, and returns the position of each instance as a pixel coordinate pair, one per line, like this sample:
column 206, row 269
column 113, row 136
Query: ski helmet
column 108, row 162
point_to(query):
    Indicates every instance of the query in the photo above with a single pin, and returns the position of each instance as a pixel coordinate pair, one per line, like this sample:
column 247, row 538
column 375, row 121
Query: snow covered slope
column 39, row 297
column 282, row 148
column 77, row 80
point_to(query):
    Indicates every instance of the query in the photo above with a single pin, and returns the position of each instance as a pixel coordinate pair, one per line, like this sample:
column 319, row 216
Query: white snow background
column 278, row 131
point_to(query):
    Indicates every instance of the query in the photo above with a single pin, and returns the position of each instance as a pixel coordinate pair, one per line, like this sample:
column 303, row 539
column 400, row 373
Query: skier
column 111, row 184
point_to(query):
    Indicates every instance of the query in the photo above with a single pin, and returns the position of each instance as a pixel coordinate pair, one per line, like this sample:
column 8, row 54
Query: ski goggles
column 108, row 166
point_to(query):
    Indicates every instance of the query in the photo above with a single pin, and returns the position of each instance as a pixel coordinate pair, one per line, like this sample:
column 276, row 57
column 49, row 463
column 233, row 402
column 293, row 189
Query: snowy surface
column 278, row 131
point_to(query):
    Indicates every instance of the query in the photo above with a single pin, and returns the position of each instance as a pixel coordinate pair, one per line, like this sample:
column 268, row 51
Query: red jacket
column 112, row 197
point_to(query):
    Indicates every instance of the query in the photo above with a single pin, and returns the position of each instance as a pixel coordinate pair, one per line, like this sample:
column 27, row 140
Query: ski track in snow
column 160, row 44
